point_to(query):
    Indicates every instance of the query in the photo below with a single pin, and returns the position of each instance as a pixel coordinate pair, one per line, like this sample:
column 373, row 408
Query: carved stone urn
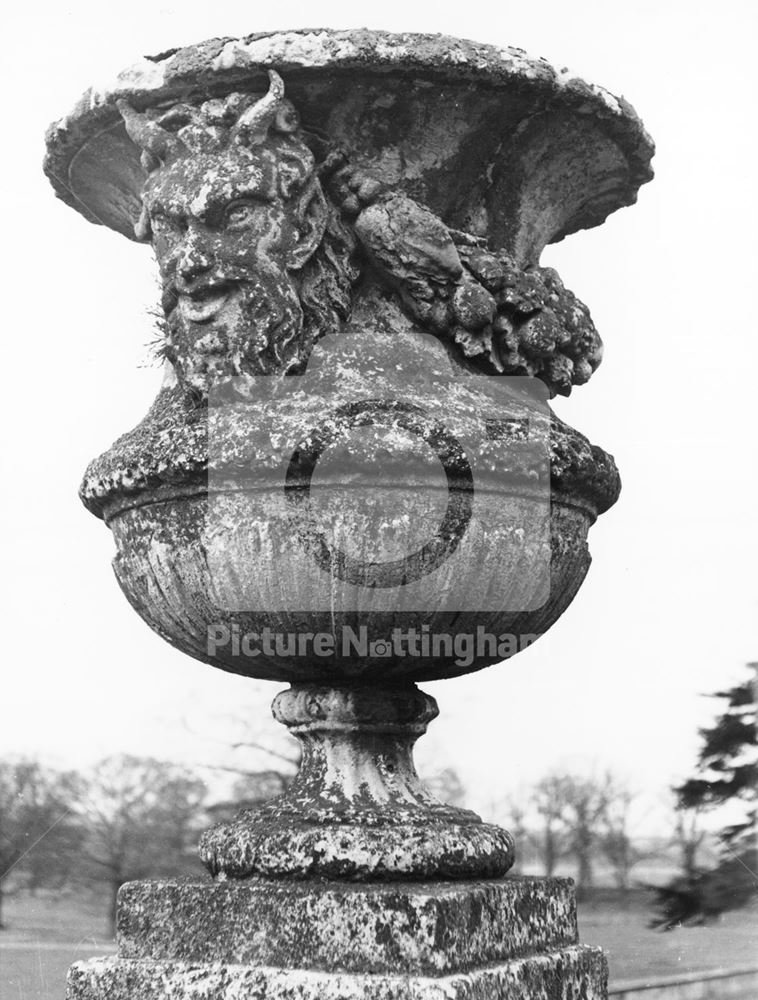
column 351, row 479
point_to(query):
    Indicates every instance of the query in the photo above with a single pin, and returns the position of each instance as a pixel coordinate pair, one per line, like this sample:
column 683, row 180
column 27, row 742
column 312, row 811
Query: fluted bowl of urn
column 384, row 545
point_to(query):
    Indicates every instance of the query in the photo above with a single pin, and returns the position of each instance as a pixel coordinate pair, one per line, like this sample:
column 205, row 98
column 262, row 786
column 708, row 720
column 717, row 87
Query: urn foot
column 356, row 809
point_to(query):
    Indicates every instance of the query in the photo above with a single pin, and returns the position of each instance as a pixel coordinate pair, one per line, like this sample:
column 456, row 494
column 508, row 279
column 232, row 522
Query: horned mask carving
column 255, row 261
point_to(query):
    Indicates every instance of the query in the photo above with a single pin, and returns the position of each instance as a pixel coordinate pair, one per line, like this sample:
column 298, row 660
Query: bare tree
column 585, row 802
column 36, row 828
column 548, row 802
column 616, row 840
column 140, row 816
column 288, row 754
column 579, row 816
column 272, row 747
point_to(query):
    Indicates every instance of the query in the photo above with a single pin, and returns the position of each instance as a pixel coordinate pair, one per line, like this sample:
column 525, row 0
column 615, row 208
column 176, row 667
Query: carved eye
column 162, row 225
column 240, row 214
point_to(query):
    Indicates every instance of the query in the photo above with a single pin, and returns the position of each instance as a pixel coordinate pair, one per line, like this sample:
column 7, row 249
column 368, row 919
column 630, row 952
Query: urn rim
column 86, row 148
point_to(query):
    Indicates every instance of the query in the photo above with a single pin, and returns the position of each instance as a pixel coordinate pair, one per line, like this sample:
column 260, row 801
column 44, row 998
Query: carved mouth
column 203, row 303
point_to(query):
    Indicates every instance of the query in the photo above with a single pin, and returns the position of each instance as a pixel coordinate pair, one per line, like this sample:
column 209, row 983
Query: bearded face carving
column 254, row 262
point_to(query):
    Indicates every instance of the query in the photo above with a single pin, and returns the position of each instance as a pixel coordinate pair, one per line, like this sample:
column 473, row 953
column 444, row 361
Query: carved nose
column 192, row 262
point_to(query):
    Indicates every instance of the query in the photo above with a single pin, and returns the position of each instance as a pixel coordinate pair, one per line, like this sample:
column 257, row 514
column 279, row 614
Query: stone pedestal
column 511, row 938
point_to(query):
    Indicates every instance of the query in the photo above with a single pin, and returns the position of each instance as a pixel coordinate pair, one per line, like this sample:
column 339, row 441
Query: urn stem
column 356, row 808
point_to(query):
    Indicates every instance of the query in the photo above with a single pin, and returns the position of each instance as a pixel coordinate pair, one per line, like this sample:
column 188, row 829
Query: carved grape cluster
column 530, row 324
column 504, row 319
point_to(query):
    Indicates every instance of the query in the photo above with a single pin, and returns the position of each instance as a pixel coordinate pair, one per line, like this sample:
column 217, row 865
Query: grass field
column 636, row 952
column 44, row 936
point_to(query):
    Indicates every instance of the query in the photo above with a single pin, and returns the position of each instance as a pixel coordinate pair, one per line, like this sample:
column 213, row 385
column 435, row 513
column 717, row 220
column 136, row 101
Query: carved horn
column 148, row 135
column 253, row 124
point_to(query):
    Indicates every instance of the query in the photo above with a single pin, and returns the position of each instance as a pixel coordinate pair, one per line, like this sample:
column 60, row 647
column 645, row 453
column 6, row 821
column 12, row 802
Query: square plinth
column 574, row 973
column 503, row 938
column 423, row 928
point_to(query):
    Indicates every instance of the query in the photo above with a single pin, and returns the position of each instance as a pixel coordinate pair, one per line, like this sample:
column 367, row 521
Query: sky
column 668, row 611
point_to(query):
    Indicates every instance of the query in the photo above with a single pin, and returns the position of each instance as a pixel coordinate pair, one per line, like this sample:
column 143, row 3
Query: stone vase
column 353, row 446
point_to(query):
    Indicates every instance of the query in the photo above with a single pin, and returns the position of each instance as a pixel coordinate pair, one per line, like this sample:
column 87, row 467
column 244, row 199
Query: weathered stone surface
column 403, row 928
column 278, row 231
column 256, row 263
column 456, row 111
column 152, row 488
column 574, row 973
column 237, row 940
column 391, row 207
column 167, row 453
column 326, row 200
column 162, row 568
column 356, row 808
column 260, row 243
